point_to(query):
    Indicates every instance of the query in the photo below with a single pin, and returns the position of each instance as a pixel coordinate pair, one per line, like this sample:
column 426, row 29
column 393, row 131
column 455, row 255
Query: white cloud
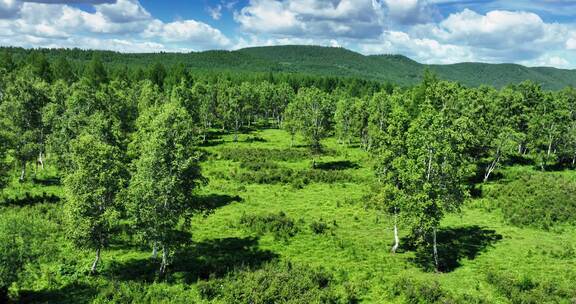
column 410, row 11
column 554, row 59
column 424, row 50
column 191, row 31
column 215, row 12
column 571, row 43
column 313, row 18
column 495, row 29
column 123, row 25
column 123, row 11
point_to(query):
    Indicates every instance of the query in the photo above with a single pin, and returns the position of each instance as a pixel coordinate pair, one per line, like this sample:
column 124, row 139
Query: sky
column 532, row 33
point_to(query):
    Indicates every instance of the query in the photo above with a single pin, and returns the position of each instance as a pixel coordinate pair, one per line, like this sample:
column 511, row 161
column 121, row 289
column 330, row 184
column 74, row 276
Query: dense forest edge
column 151, row 178
column 317, row 61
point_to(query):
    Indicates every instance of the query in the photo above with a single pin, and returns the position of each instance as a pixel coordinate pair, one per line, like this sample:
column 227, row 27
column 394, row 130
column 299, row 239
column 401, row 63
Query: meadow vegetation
column 188, row 188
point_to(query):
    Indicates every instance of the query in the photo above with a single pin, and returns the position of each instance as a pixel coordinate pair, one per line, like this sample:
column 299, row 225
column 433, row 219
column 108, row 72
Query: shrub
column 275, row 283
column 258, row 154
column 258, row 165
column 271, row 173
column 320, row 227
column 280, row 225
column 540, row 200
column 22, row 240
column 525, row 290
column 265, row 176
column 420, row 292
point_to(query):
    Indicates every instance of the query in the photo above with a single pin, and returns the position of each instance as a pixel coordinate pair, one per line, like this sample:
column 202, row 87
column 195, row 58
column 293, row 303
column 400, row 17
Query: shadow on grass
column 54, row 181
column 202, row 260
column 71, row 294
column 454, row 244
column 212, row 202
column 29, row 200
column 212, row 143
column 252, row 139
column 337, row 165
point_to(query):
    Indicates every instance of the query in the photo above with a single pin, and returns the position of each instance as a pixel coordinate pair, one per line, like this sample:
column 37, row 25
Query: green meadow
column 308, row 237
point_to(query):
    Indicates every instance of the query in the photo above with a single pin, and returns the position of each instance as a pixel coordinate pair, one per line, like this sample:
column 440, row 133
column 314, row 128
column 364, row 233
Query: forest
column 159, row 183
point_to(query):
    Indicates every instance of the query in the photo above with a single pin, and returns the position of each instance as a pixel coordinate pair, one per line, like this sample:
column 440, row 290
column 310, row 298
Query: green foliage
column 95, row 71
column 310, row 113
column 22, row 238
column 4, row 165
column 258, row 154
column 276, row 283
column 21, row 116
column 424, row 292
column 279, row 225
column 166, row 175
column 96, row 177
column 538, row 200
column 272, row 173
column 527, row 290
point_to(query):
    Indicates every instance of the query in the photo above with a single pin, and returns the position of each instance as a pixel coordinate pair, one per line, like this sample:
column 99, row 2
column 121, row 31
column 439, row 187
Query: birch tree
column 167, row 173
column 92, row 210
column 312, row 110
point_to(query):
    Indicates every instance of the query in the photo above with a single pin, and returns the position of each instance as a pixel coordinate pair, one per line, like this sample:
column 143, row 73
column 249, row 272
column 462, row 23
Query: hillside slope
column 329, row 61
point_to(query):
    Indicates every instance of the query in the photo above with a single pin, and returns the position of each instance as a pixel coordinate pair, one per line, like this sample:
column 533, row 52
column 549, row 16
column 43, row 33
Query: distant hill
column 403, row 70
column 337, row 62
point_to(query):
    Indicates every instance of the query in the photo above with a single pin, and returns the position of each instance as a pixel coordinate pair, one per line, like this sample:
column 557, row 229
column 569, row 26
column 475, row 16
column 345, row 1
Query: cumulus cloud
column 410, row 11
column 498, row 29
column 194, row 32
column 120, row 25
column 424, row 50
column 344, row 18
column 123, row 11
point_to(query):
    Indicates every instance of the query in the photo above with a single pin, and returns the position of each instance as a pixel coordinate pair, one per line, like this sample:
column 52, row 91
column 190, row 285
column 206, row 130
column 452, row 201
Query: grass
column 355, row 249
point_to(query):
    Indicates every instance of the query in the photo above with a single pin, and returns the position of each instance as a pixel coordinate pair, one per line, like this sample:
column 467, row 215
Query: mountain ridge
column 329, row 62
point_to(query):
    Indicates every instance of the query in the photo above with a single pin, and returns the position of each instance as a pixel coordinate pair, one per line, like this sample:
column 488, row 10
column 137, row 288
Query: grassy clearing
column 352, row 250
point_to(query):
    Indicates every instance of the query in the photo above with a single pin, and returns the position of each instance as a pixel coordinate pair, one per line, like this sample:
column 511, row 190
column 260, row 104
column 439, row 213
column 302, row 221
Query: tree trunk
column 396, row 239
column 95, row 263
column 23, row 173
column 164, row 262
column 435, row 249
column 41, row 160
column 155, row 250
column 491, row 168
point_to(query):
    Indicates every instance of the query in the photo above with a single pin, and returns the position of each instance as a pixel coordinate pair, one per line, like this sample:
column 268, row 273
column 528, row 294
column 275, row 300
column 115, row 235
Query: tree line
column 131, row 149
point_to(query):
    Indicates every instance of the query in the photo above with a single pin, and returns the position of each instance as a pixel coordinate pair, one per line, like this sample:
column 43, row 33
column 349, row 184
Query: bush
column 258, row 154
column 258, row 165
column 540, row 200
column 266, row 172
column 320, row 227
column 420, row 292
column 265, row 176
column 22, row 237
column 275, row 283
column 280, row 225
column 525, row 290
column 136, row 292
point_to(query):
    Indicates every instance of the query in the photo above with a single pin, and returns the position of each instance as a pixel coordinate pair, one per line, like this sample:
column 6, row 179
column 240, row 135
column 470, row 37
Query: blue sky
column 534, row 33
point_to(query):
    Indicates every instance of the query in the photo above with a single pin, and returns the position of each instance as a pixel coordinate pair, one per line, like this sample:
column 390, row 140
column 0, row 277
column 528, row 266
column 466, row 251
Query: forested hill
column 402, row 70
column 329, row 61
